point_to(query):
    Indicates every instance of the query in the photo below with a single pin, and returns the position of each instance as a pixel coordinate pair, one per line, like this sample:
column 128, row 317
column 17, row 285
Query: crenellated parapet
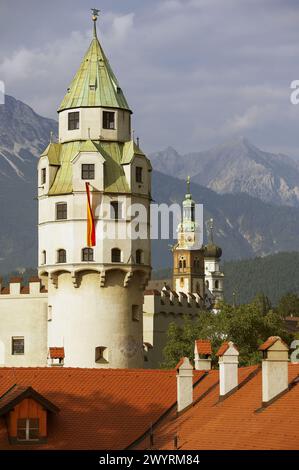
column 17, row 287
column 169, row 301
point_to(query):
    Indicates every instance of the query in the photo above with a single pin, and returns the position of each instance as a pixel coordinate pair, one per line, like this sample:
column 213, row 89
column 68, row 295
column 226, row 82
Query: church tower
column 213, row 275
column 188, row 253
column 88, row 181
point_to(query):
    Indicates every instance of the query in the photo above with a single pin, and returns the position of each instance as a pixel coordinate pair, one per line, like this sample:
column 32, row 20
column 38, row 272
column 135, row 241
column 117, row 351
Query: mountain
column 245, row 226
column 273, row 275
column 23, row 135
column 236, row 167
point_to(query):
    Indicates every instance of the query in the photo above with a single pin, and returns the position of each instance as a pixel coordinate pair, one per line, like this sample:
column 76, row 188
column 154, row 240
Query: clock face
column 189, row 238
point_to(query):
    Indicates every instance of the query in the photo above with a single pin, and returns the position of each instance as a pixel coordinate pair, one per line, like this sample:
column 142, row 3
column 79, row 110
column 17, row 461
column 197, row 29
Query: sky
column 196, row 73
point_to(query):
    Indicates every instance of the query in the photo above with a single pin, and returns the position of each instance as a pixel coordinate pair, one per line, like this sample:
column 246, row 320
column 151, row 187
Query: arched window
column 44, row 257
column 61, row 256
column 207, row 284
column 115, row 255
column 184, row 264
column 180, row 264
column 216, row 284
column 87, row 254
column 139, row 257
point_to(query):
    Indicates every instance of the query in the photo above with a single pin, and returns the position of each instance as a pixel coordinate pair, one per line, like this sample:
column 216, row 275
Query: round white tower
column 213, row 275
column 95, row 289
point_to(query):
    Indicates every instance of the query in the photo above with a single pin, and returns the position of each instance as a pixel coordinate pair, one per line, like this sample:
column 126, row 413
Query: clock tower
column 188, row 253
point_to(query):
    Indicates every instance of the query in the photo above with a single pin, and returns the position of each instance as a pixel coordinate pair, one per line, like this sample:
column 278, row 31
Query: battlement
column 17, row 286
column 169, row 298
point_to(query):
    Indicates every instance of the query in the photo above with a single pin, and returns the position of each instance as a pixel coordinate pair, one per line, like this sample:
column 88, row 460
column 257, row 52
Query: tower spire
column 95, row 15
column 188, row 184
column 211, row 231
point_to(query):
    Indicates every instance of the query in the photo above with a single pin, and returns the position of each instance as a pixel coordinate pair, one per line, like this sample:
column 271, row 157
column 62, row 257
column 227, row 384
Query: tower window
column 28, row 429
column 101, row 354
column 116, row 210
column 73, row 121
column 216, row 284
column 87, row 254
column 61, row 211
column 139, row 256
column 43, row 176
column 139, row 174
column 135, row 313
column 61, row 256
column 108, row 120
column 87, row 171
column 44, row 257
column 116, row 255
column 17, row 345
column 207, row 284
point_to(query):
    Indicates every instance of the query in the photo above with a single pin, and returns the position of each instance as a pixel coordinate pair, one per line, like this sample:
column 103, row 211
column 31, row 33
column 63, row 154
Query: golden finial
column 95, row 15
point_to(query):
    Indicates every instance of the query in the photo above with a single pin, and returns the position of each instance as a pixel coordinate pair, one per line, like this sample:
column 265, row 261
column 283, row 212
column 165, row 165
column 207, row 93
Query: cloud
column 195, row 72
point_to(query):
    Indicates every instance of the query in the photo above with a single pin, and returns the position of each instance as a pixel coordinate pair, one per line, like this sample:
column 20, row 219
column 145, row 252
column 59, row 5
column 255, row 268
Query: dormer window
column 87, row 172
column 73, row 121
column 108, row 120
column 28, row 429
column 43, row 176
column 138, row 174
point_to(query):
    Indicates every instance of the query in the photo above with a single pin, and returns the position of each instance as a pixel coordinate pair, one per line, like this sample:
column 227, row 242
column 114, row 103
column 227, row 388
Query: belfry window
column 87, row 254
column 73, row 121
column 115, row 255
column 61, row 256
column 44, row 257
column 108, row 120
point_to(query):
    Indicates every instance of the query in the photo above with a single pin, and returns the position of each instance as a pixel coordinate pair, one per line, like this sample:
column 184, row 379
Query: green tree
column 248, row 326
column 288, row 305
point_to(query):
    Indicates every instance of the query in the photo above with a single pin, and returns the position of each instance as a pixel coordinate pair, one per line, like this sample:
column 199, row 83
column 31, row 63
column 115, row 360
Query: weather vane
column 95, row 13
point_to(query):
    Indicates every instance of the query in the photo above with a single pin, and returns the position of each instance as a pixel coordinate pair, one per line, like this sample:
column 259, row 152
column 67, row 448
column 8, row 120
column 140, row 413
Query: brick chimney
column 184, row 384
column 202, row 354
column 274, row 368
column 228, row 367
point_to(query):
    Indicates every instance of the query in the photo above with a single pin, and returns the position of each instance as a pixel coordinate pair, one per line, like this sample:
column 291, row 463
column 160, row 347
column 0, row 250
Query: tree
column 288, row 305
column 248, row 326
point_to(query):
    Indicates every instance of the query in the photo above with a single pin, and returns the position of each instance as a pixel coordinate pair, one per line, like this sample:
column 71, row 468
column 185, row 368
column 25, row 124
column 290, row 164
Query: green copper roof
column 114, row 176
column 52, row 152
column 95, row 83
column 131, row 149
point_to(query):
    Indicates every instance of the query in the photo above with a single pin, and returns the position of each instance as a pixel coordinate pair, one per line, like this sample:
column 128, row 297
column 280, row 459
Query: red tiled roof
column 203, row 346
column 18, row 393
column 56, row 353
column 235, row 423
column 269, row 342
column 102, row 408
column 15, row 280
column 223, row 348
column 34, row 279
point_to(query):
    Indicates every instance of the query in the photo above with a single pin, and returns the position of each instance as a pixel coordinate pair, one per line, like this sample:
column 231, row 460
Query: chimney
column 274, row 368
column 202, row 354
column 184, row 384
column 228, row 367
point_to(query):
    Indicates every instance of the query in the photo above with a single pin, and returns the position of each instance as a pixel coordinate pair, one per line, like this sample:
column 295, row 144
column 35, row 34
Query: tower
column 188, row 253
column 213, row 276
column 95, row 288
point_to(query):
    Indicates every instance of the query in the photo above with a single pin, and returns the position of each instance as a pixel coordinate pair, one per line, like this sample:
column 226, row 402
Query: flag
column 91, row 232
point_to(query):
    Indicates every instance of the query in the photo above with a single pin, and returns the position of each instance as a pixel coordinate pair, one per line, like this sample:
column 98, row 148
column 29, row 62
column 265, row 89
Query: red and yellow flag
column 91, row 232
